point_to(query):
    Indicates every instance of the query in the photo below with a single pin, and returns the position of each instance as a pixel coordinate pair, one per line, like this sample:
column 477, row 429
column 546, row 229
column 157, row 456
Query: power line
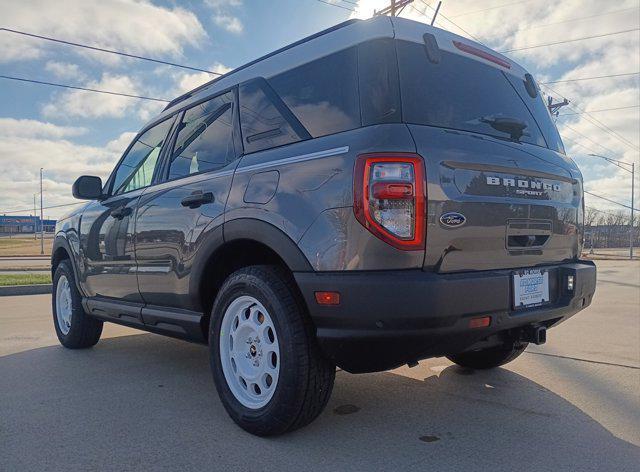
column 591, row 78
column 490, row 8
column 44, row 208
column 108, row 92
column 601, row 211
column 609, row 200
column 570, row 20
column 336, row 5
column 568, row 40
column 599, row 110
column 594, row 121
column 110, row 51
column 589, row 139
column 446, row 18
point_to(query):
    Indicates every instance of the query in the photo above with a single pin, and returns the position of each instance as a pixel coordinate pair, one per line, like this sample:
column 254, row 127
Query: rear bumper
column 389, row 318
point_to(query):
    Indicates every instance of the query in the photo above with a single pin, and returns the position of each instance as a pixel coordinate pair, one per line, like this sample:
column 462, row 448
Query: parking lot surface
column 144, row 402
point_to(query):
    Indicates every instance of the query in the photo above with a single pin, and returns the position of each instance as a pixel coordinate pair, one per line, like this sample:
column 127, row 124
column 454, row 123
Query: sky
column 70, row 132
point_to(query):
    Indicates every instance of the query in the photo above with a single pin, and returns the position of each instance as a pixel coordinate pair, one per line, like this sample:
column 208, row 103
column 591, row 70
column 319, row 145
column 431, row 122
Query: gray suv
column 376, row 194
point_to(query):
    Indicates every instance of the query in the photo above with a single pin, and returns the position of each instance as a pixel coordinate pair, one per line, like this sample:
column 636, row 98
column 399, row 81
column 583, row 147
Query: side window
column 205, row 138
column 323, row 94
column 265, row 121
column 136, row 169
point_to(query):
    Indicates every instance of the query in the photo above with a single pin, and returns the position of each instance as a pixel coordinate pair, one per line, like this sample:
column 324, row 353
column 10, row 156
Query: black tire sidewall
column 75, row 337
column 289, row 392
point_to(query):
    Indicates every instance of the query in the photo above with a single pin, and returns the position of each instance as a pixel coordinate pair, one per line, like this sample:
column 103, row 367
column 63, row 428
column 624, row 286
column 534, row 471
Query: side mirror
column 87, row 187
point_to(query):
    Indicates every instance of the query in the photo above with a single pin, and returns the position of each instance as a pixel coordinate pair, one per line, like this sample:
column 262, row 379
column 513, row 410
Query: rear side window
column 265, row 121
column 378, row 80
column 460, row 93
column 205, row 138
column 323, row 94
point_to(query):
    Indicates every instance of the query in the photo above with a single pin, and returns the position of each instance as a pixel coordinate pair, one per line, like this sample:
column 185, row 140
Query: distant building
column 25, row 224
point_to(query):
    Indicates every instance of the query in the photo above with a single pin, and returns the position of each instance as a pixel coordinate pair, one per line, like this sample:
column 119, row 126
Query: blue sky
column 74, row 132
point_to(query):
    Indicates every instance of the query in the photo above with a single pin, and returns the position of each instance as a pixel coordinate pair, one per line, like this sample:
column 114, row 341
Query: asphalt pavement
column 143, row 402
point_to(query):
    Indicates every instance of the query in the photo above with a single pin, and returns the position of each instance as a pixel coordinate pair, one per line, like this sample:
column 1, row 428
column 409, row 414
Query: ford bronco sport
column 376, row 194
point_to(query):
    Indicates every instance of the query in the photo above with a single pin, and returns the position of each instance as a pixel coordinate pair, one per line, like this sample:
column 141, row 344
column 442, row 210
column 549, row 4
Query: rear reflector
column 327, row 298
column 480, row 53
column 480, row 322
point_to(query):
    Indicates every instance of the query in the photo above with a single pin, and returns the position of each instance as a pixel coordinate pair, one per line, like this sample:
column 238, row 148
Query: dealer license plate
column 530, row 288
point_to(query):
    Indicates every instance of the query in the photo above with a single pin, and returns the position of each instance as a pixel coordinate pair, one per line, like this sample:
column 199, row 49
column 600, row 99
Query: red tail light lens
column 389, row 198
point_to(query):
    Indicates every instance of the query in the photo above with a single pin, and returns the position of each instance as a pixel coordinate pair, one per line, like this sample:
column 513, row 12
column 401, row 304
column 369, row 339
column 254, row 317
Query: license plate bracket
column 530, row 288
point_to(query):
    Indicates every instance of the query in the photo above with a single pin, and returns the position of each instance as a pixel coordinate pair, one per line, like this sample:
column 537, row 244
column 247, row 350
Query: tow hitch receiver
column 534, row 334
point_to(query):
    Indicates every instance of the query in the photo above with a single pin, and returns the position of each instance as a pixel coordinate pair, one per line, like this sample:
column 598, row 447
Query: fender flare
column 60, row 241
column 247, row 229
column 272, row 237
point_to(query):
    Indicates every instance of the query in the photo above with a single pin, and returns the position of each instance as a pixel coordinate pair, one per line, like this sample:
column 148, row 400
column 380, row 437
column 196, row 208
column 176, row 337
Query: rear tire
column 266, row 365
column 74, row 328
column 489, row 358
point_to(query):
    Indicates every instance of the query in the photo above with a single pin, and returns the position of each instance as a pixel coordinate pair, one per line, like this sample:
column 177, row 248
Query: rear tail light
column 389, row 198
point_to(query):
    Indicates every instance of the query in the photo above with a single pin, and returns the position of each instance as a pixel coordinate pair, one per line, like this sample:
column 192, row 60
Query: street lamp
column 629, row 167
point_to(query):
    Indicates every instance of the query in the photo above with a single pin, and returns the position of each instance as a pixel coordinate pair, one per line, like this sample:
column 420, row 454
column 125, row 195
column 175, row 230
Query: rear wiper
column 512, row 126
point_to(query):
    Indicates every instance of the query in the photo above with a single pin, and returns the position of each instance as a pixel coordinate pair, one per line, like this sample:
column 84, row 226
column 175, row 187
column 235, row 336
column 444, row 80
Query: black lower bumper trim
column 389, row 318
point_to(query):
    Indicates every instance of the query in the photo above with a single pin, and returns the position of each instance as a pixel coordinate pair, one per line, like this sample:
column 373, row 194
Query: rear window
column 462, row 93
column 540, row 112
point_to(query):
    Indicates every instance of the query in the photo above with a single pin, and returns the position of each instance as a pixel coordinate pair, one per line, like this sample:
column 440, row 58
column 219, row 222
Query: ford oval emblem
column 453, row 219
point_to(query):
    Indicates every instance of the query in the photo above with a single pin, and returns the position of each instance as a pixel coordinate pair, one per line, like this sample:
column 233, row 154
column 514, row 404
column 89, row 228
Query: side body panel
column 169, row 235
column 313, row 204
column 107, row 265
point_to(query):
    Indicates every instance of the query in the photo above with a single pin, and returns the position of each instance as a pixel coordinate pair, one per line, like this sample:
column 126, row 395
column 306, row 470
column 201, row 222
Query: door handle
column 121, row 212
column 196, row 199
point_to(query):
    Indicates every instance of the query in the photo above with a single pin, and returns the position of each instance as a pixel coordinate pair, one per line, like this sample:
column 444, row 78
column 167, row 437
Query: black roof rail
column 191, row 93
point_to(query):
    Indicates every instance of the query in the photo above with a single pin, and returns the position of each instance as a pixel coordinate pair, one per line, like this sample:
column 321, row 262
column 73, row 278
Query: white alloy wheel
column 64, row 306
column 249, row 352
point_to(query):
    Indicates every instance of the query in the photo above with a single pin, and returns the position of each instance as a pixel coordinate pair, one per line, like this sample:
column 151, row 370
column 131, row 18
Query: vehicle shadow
column 145, row 402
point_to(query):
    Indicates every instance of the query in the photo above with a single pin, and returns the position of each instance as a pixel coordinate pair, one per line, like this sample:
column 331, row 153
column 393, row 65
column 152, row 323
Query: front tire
column 489, row 358
column 268, row 370
column 75, row 330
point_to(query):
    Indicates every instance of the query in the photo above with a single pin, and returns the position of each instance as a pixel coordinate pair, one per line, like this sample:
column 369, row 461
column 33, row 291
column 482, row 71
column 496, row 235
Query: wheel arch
column 243, row 242
column 60, row 251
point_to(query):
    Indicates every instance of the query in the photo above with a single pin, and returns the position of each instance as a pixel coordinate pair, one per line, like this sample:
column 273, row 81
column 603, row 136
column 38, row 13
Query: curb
column 11, row 290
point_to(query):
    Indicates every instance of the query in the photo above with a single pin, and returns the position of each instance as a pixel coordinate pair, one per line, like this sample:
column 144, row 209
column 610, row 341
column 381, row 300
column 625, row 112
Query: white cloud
column 13, row 128
column 119, row 144
column 230, row 23
column 65, row 70
column 188, row 81
column 78, row 103
column 222, row 16
column 138, row 27
column 62, row 160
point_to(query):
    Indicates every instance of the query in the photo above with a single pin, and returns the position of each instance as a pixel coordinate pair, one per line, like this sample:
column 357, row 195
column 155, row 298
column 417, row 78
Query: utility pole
column 394, row 9
column 41, row 217
column 435, row 14
column 631, row 235
column 35, row 218
column 555, row 107
column 622, row 165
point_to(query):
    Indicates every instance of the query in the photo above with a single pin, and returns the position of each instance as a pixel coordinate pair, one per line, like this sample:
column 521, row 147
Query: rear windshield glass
column 462, row 93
